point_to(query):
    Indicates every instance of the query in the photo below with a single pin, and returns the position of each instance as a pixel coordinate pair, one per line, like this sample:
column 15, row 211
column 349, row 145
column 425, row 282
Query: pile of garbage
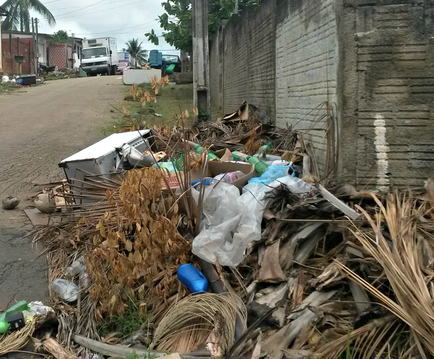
column 227, row 242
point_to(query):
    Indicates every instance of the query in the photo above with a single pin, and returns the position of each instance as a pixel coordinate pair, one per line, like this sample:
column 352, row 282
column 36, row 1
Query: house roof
column 3, row 12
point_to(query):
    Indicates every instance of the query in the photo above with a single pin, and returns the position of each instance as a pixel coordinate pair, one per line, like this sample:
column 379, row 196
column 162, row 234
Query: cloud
column 122, row 19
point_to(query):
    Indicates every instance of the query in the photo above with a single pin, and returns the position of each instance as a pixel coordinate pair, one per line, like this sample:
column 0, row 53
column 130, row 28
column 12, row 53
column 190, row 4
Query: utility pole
column 201, row 95
column 35, row 60
column 72, row 49
column 37, row 46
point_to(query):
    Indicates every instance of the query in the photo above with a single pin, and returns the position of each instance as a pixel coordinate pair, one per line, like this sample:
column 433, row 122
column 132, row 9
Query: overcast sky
column 122, row 19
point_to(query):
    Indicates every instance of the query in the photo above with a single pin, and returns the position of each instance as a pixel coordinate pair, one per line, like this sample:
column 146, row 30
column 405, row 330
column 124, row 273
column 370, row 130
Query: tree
column 60, row 37
column 177, row 20
column 19, row 14
column 134, row 48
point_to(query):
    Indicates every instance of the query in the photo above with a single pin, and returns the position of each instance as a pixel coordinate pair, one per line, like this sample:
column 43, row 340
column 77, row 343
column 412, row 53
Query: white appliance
column 103, row 157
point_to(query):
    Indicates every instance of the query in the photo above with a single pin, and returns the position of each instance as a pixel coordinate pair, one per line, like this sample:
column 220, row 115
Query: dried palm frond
column 374, row 337
column 400, row 262
column 190, row 322
column 18, row 339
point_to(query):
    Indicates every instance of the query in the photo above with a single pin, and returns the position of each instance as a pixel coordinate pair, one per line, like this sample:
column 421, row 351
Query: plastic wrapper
column 294, row 184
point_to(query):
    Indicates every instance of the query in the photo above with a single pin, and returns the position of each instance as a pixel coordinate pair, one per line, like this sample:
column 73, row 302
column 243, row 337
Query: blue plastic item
column 155, row 59
column 203, row 181
column 270, row 174
column 192, row 278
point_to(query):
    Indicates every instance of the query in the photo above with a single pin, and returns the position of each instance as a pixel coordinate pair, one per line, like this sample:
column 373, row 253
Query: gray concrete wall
column 372, row 61
column 306, row 68
column 242, row 60
column 395, row 93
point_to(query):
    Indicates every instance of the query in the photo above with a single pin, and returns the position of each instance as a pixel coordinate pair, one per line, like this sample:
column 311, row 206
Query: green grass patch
column 172, row 100
column 7, row 87
column 131, row 321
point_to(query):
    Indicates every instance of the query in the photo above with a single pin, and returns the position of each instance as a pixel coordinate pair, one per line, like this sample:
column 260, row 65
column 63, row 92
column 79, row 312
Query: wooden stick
column 123, row 351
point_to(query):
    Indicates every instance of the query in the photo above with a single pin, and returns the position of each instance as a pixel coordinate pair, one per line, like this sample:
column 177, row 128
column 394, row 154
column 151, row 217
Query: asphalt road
column 40, row 126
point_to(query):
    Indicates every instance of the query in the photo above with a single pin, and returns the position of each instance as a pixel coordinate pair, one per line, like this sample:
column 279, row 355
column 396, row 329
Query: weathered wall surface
column 395, row 93
column 17, row 46
column 306, row 68
column 242, row 60
column 60, row 56
column 371, row 61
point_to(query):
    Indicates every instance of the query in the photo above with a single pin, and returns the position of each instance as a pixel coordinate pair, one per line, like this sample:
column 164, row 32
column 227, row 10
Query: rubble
column 297, row 264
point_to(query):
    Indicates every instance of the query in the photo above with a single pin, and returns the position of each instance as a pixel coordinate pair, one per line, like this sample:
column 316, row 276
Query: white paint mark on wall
column 381, row 148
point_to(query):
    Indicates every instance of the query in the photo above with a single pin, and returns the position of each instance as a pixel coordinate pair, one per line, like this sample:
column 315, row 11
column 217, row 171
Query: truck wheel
column 108, row 71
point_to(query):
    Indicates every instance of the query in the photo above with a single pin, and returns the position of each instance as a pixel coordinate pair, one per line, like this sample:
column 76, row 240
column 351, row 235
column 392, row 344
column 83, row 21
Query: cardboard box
column 217, row 167
column 173, row 179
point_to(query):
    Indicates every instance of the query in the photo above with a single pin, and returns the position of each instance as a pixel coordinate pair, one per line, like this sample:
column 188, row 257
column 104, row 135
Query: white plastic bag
column 295, row 185
column 231, row 222
column 222, row 214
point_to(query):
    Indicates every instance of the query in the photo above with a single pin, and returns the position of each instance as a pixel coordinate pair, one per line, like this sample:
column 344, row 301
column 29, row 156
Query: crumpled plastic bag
column 294, row 184
column 230, row 223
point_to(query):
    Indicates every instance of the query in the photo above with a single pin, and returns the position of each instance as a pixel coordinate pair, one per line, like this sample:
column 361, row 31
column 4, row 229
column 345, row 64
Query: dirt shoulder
column 38, row 128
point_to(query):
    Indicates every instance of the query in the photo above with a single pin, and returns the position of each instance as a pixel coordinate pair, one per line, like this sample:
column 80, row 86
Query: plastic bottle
column 239, row 156
column 67, row 290
column 263, row 150
column 260, row 166
column 211, row 156
column 192, row 278
column 16, row 308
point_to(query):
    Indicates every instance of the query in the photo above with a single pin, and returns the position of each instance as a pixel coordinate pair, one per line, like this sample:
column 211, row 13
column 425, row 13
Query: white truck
column 99, row 56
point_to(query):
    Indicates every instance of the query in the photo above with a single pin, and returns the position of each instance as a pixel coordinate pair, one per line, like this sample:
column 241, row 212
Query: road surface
column 39, row 127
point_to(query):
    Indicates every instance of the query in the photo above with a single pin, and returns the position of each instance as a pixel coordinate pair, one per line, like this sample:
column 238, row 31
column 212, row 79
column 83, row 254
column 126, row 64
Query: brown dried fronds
column 138, row 249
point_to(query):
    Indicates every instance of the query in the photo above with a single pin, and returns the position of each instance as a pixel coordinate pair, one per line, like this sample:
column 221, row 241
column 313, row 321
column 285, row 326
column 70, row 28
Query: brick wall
column 58, row 55
column 17, row 46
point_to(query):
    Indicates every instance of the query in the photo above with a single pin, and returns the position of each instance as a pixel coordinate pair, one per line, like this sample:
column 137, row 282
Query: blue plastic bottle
column 192, row 278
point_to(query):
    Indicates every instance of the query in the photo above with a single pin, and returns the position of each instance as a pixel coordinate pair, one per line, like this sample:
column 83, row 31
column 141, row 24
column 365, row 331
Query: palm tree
column 19, row 14
column 134, row 48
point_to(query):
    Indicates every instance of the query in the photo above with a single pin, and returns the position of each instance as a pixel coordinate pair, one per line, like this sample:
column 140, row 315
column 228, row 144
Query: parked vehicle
column 100, row 56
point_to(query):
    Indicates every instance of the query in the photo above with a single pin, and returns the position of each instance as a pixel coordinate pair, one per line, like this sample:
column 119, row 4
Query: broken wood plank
column 53, row 347
column 123, row 351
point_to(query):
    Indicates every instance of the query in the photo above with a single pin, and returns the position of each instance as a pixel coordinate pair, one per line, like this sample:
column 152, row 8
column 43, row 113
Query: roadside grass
column 128, row 323
column 172, row 100
column 7, row 87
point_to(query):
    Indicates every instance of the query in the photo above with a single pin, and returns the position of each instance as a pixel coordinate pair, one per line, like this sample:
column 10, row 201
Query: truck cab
column 99, row 56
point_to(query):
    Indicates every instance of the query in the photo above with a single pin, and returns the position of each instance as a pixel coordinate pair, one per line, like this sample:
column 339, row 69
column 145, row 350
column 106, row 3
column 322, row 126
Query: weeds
column 127, row 323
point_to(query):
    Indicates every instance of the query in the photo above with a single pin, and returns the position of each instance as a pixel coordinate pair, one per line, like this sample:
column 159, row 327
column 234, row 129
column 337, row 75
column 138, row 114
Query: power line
column 93, row 12
column 83, row 8
column 122, row 29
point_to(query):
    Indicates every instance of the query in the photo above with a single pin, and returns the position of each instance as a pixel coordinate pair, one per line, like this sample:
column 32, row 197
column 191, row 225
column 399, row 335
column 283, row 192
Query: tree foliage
column 19, row 14
column 177, row 20
column 60, row 37
column 134, row 48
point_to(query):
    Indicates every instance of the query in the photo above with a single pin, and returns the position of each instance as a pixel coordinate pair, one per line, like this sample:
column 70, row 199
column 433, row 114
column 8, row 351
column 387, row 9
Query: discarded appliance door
column 102, row 157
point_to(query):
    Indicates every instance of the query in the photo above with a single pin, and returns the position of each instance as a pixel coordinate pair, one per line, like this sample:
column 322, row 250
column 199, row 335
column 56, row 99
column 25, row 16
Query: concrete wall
column 372, row 61
column 395, row 93
column 242, row 58
column 306, row 68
